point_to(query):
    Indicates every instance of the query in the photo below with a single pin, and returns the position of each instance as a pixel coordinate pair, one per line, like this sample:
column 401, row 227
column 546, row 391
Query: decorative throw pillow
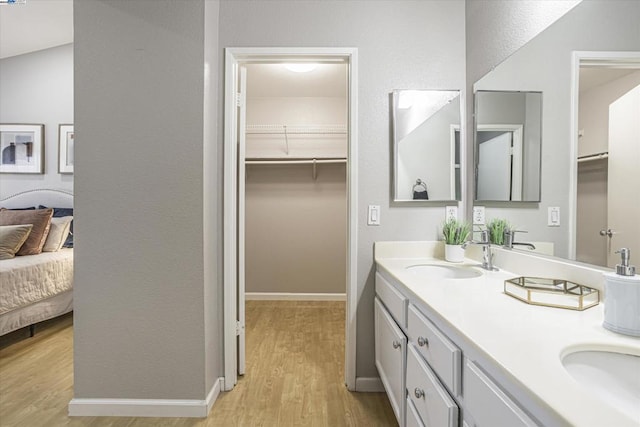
column 41, row 220
column 59, row 213
column 58, row 233
column 11, row 239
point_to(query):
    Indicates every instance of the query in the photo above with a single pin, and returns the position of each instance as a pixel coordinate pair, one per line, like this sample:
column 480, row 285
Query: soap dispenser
column 622, row 297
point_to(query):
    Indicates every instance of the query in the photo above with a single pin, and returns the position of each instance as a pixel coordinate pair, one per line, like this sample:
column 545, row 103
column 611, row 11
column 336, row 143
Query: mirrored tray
column 552, row 293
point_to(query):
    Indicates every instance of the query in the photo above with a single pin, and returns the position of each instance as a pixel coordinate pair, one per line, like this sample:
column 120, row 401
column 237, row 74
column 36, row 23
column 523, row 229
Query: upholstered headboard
column 40, row 196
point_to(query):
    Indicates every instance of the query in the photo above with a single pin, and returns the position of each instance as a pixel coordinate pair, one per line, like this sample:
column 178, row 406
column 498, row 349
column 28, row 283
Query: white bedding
column 25, row 280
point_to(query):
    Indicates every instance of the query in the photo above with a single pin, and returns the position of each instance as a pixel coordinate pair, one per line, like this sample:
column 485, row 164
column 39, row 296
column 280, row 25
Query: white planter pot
column 453, row 253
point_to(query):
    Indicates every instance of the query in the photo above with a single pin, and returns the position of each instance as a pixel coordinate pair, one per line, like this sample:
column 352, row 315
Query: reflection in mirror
column 548, row 64
column 508, row 145
column 426, row 145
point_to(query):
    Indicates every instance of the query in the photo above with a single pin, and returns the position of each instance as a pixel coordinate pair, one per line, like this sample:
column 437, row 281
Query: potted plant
column 455, row 233
column 497, row 227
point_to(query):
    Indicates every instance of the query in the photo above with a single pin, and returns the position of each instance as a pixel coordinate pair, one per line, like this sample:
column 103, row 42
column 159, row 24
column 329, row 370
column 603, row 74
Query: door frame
column 233, row 58
column 601, row 58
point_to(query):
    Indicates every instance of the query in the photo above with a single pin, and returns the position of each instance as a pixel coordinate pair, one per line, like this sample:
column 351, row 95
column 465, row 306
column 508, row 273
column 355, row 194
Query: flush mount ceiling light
column 304, row 67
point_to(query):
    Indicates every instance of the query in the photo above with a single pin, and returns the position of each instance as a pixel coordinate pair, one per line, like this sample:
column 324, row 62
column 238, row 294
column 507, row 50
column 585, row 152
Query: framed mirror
column 426, row 145
column 508, row 146
column 583, row 64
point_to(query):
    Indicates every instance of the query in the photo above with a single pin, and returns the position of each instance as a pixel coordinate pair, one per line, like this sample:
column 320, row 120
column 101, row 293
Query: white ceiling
column 36, row 25
column 597, row 76
column 326, row 80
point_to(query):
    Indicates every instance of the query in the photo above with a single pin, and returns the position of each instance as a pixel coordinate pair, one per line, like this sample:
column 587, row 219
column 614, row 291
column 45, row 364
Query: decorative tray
column 552, row 293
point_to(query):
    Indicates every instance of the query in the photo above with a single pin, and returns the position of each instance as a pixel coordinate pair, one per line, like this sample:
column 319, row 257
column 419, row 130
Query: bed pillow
column 60, row 213
column 57, row 234
column 11, row 239
column 41, row 220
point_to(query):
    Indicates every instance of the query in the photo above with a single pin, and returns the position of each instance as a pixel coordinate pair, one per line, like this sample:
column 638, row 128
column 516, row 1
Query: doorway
column 281, row 142
column 605, row 217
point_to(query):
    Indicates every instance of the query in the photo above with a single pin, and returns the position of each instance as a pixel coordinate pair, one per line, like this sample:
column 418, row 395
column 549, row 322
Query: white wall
column 38, row 88
column 544, row 64
column 146, row 291
column 409, row 44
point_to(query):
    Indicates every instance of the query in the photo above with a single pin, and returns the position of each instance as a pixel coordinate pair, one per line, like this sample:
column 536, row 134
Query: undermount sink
column 611, row 375
column 437, row 271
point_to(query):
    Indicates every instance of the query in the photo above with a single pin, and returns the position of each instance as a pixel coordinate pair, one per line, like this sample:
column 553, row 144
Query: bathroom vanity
column 452, row 349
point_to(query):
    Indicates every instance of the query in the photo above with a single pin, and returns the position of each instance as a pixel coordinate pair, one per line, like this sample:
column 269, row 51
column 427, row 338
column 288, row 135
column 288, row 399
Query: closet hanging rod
column 295, row 161
column 590, row 157
column 296, row 129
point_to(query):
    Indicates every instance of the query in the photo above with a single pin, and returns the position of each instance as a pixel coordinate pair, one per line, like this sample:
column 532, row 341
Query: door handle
column 608, row 232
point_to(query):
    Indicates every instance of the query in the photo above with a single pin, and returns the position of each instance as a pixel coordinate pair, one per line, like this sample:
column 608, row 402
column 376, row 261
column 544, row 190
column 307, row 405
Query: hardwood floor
column 295, row 374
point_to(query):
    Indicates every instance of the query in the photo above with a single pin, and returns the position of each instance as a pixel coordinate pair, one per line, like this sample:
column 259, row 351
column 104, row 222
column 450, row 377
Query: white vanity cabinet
column 431, row 378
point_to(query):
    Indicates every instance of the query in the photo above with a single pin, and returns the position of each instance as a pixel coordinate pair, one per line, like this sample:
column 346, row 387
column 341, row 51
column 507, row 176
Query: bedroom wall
column 146, row 282
column 38, row 88
column 408, row 44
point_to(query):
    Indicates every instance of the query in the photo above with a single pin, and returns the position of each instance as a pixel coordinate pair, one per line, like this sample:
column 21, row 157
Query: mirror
column 508, row 130
column 549, row 64
column 426, row 145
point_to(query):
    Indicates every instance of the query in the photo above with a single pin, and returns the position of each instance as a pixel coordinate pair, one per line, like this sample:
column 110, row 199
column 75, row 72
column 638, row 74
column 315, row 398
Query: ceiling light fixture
column 301, row 67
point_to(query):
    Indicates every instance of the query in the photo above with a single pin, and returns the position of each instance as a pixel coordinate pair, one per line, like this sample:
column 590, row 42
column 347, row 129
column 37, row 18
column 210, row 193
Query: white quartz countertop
column 526, row 341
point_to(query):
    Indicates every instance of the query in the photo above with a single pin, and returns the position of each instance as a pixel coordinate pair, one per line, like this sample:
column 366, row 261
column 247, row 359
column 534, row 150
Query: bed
column 34, row 288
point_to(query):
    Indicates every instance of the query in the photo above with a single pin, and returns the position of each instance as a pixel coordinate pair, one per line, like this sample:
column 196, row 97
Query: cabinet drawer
column 435, row 406
column 442, row 355
column 390, row 354
column 413, row 419
column 395, row 302
column 488, row 404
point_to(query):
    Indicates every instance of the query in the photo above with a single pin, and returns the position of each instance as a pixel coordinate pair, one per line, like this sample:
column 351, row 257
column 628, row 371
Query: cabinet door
column 413, row 419
column 391, row 354
column 487, row 403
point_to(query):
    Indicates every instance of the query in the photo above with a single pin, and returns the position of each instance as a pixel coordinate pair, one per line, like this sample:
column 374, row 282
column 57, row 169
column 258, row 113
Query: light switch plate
column 478, row 215
column 451, row 212
column 373, row 215
column 553, row 217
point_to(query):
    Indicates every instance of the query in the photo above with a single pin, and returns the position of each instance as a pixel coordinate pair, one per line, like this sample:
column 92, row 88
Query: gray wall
column 408, row 44
column 146, row 298
column 38, row 88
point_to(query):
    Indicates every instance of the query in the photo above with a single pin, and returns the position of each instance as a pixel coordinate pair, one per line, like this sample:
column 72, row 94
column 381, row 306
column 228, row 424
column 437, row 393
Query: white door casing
column 234, row 58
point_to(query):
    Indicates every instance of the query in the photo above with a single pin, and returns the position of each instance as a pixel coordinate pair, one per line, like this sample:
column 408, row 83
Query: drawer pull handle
column 418, row 393
column 423, row 342
column 396, row 344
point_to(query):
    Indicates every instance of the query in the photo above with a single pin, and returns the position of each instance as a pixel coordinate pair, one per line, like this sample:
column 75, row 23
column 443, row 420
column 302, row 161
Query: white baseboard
column 294, row 296
column 369, row 385
column 174, row 408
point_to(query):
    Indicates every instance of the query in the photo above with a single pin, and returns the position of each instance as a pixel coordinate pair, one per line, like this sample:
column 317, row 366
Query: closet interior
column 296, row 181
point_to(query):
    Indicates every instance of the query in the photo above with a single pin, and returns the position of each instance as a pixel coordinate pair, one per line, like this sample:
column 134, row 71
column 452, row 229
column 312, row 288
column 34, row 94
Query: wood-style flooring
column 295, row 376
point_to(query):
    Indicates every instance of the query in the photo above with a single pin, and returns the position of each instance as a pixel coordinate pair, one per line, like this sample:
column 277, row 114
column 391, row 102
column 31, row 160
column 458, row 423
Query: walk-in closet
column 295, row 174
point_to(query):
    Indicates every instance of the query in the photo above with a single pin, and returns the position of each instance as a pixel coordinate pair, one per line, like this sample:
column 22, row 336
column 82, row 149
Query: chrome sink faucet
column 509, row 237
column 487, row 256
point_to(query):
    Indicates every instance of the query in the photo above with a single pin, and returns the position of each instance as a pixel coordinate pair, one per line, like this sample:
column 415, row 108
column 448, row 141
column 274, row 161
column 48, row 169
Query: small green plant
column 455, row 232
column 497, row 227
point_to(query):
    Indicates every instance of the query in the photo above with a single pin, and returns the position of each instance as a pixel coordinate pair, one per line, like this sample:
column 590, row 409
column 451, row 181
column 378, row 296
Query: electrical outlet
column 451, row 212
column 478, row 215
column 553, row 216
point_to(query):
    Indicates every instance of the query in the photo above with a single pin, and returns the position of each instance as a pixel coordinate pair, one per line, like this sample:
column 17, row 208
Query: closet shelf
column 296, row 129
column 591, row 157
column 313, row 162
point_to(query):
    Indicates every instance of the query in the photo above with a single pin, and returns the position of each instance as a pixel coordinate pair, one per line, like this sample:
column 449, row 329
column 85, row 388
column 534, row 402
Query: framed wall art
column 22, row 148
column 65, row 148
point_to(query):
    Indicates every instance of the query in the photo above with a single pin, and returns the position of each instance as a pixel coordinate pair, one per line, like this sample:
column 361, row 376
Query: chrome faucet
column 509, row 237
column 487, row 256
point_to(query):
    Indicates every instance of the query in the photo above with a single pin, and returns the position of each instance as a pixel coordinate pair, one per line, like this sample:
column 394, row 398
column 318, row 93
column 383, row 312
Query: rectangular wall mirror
column 508, row 141
column 426, row 145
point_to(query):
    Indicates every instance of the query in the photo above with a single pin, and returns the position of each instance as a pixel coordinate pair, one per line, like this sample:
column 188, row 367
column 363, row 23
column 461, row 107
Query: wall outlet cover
column 478, row 215
column 553, row 217
column 451, row 212
column 373, row 215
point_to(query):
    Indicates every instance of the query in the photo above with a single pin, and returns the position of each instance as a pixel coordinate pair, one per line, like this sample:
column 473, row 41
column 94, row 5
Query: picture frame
column 22, row 148
column 65, row 148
